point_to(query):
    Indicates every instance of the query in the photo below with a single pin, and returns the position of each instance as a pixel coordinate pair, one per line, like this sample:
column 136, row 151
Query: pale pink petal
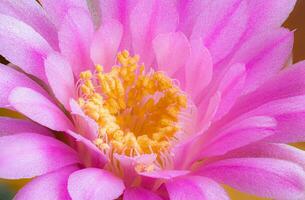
column 270, row 150
column 240, row 134
column 188, row 148
column 221, row 26
column 231, row 86
column 199, row 67
column 262, row 17
column 289, row 114
column 148, row 19
column 294, row 104
column 290, row 128
column 75, row 37
column 10, row 126
column 264, row 55
column 57, row 10
column 165, row 174
column 140, row 194
column 189, row 11
column 270, row 178
column 9, row 79
column 90, row 154
column 120, row 11
column 94, row 184
column 38, row 108
column 208, row 108
column 129, row 164
column 31, row 13
column 106, row 42
column 150, row 179
column 218, row 142
column 172, row 51
column 288, row 83
column 60, row 78
column 26, row 155
column 23, row 46
column 51, row 186
column 83, row 124
column 195, row 187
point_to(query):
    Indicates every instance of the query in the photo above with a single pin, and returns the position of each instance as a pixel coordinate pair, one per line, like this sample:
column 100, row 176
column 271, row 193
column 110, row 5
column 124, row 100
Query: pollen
column 137, row 111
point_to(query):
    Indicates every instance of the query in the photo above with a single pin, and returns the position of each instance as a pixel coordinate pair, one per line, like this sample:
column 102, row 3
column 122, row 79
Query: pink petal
column 75, row 37
column 31, row 13
column 23, row 46
column 288, row 83
column 189, row 11
column 26, row 155
column 221, row 26
column 199, row 66
column 90, row 155
column 282, row 106
column 263, row 18
column 35, row 106
column 218, row 142
column 120, row 11
column 260, row 19
column 195, row 187
column 140, row 194
column 116, row 9
column 271, row 150
column 9, row 79
column 84, row 124
column 50, row 186
column 264, row 55
column 94, row 183
column 105, row 44
column 148, row 19
column 289, row 114
column 290, row 128
column 240, row 134
column 128, row 165
column 10, row 126
column 172, row 51
column 270, row 178
column 165, row 174
column 208, row 109
column 231, row 86
column 60, row 77
column 57, row 10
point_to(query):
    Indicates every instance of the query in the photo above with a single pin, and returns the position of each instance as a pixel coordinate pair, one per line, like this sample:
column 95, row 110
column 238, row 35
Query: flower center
column 137, row 111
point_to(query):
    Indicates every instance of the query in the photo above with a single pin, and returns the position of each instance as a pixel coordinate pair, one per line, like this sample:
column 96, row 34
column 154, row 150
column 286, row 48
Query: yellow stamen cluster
column 137, row 112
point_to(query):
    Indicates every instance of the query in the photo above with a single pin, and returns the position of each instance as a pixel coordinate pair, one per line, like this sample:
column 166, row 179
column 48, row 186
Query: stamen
column 137, row 112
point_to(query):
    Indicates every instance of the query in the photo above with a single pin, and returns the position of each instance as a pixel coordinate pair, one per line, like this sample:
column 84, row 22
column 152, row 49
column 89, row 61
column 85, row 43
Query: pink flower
column 151, row 99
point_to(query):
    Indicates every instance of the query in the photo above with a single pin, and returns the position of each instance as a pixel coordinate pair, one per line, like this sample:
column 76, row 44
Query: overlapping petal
column 10, row 126
column 38, row 108
column 55, row 183
column 75, row 37
column 264, row 177
column 26, row 155
column 31, row 13
column 32, row 47
column 94, row 183
column 195, row 187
